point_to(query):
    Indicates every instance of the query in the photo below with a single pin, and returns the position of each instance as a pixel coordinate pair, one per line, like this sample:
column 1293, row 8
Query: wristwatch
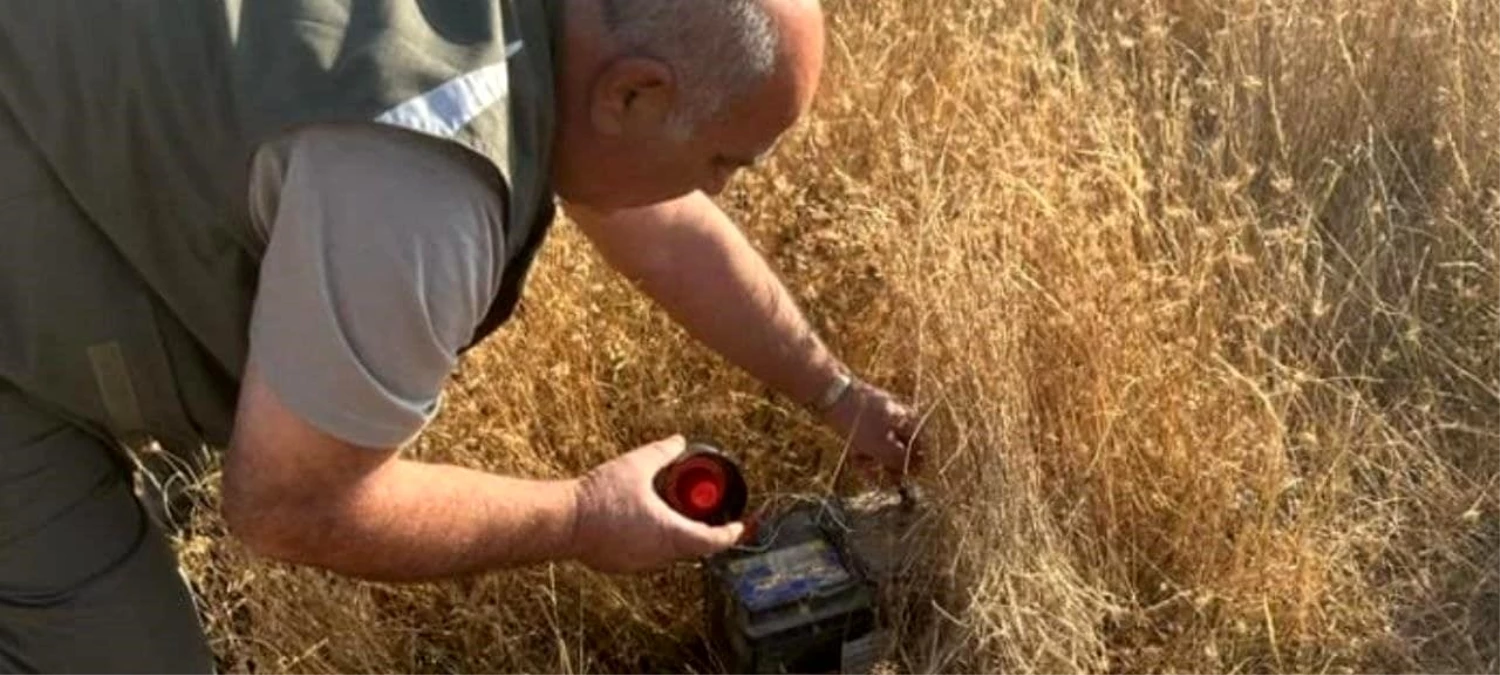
column 840, row 385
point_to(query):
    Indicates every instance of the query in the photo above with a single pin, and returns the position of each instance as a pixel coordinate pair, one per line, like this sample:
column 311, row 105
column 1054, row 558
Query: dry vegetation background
column 1202, row 297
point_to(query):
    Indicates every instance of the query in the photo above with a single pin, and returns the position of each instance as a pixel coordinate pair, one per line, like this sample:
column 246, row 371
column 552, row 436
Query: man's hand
column 624, row 526
column 881, row 432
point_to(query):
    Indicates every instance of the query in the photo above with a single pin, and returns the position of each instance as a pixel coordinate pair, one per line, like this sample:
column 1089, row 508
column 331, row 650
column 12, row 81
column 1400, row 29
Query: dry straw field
column 1201, row 297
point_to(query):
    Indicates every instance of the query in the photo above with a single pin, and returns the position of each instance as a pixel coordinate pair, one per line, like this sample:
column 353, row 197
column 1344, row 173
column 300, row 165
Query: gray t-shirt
column 384, row 249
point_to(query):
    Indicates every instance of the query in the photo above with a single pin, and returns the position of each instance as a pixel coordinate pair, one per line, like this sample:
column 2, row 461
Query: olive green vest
column 148, row 113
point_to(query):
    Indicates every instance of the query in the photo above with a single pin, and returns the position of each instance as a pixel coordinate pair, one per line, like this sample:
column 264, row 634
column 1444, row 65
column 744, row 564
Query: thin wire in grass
column 830, row 506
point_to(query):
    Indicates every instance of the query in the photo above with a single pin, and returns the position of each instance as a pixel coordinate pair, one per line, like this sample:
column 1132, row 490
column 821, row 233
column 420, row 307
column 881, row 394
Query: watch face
column 836, row 390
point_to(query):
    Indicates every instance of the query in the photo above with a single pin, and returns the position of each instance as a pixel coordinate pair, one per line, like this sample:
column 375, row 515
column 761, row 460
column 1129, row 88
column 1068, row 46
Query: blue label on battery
column 787, row 575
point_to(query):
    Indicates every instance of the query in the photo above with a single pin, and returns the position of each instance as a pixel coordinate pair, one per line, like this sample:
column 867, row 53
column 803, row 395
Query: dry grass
column 1202, row 295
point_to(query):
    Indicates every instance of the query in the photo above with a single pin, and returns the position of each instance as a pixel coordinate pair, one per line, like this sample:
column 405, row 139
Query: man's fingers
column 683, row 528
column 905, row 433
column 905, row 423
column 662, row 452
column 701, row 540
column 913, row 454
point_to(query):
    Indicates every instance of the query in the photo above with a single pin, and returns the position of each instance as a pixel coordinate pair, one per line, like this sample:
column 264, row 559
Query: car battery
column 795, row 599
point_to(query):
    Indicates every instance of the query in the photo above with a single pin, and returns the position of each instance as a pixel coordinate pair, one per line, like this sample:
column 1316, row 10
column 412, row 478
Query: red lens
column 700, row 488
column 703, row 485
column 705, row 495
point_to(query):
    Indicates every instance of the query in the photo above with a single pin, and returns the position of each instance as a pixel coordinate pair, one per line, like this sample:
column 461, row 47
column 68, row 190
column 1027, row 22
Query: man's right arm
column 294, row 493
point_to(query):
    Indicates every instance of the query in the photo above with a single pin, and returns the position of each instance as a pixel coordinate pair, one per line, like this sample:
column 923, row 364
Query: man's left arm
column 692, row 260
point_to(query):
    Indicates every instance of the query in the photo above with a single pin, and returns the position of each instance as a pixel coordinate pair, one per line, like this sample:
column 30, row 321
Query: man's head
column 658, row 98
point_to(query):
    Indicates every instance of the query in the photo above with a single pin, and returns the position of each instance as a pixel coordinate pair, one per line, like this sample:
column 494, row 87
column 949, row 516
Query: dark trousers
column 87, row 581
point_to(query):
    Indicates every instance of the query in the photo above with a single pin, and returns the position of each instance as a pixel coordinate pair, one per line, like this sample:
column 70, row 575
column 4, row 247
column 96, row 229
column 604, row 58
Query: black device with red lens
column 704, row 485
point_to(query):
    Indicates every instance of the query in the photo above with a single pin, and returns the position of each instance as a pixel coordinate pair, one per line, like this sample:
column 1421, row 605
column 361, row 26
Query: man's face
column 662, row 165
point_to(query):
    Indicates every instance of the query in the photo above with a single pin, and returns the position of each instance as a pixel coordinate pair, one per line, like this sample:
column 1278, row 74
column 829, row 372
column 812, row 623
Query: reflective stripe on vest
column 448, row 107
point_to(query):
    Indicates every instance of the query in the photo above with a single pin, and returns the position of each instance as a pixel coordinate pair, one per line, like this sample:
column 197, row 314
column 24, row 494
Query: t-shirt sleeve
column 383, row 252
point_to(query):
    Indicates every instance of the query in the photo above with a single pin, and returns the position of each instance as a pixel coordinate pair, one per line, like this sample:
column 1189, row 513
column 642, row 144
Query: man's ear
column 631, row 96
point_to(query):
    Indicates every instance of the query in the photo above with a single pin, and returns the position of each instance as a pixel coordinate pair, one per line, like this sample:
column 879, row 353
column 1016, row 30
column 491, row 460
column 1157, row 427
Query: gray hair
column 719, row 49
